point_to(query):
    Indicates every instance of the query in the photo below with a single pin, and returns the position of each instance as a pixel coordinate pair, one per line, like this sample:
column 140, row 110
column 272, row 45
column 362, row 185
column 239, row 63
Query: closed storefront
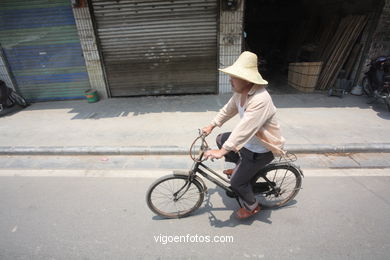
column 158, row 47
column 42, row 48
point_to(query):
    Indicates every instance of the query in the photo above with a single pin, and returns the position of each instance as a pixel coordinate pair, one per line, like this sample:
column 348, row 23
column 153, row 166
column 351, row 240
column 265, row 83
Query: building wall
column 5, row 74
column 42, row 50
column 90, row 51
column 380, row 44
column 230, row 45
column 230, row 42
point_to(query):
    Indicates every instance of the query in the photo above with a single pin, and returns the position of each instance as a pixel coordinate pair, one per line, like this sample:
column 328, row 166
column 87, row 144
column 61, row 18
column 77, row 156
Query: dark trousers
column 248, row 164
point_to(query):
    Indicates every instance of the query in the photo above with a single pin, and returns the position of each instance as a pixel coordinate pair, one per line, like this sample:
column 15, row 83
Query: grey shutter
column 43, row 50
column 158, row 47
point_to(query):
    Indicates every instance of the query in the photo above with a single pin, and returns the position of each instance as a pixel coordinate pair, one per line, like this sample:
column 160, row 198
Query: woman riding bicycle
column 257, row 136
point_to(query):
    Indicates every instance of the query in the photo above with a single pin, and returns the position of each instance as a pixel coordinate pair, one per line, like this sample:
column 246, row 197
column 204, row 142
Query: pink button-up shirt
column 259, row 120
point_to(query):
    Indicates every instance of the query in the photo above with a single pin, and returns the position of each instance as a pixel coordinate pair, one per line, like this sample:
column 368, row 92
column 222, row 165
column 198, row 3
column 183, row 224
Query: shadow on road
column 232, row 205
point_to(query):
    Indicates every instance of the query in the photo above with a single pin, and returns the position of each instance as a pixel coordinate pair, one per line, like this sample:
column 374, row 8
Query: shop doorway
column 281, row 32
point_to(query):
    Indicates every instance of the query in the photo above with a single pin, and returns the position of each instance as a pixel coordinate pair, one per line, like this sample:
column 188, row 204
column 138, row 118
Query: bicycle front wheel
column 284, row 184
column 173, row 196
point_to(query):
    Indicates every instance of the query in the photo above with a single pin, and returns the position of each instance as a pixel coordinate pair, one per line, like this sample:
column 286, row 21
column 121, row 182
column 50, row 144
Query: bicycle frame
column 212, row 176
column 207, row 173
column 215, row 178
column 224, row 183
column 179, row 194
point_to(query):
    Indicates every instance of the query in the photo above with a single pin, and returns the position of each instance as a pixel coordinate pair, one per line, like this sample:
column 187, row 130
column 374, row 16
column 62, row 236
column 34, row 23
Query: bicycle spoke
column 166, row 195
column 183, row 203
column 191, row 192
column 170, row 185
column 164, row 203
column 160, row 192
column 192, row 199
column 295, row 189
column 290, row 184
column 287, row 184
column 156, row 197
column 190, row 196
column 283, row 178
column 184, row 192
column 166, row 187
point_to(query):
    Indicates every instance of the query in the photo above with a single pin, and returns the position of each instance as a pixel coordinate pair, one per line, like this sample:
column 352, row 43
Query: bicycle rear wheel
column 169, row 197
column 9, row 102
column 19, row 99
column 366, row 86
column 387, row 101
column 285, row 184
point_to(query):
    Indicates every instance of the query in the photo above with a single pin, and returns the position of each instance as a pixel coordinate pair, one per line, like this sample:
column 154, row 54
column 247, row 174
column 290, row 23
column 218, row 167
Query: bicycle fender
column 299, row 170
column 265, row 169
column 187, row 173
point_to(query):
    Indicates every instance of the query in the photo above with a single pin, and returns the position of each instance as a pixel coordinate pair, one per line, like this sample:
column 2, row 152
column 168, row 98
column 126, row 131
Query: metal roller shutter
column 158, row 47
column 42, row 47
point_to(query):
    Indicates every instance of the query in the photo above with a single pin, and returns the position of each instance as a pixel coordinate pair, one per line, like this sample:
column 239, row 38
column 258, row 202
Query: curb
column 176, row 150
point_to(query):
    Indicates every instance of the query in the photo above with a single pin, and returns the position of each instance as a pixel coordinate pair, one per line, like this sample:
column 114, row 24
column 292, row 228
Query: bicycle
column 8, row 97
column 181, row 193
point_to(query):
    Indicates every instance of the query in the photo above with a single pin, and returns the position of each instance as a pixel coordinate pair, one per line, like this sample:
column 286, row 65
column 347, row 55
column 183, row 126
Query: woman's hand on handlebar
column 215, row 154
column 208, row 129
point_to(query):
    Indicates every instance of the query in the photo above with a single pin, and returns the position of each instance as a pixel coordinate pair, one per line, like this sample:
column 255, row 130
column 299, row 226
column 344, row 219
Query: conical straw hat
column 245, row 67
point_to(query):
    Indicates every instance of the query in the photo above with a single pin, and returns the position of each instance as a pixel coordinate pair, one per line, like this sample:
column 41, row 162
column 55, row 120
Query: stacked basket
column 304, row 75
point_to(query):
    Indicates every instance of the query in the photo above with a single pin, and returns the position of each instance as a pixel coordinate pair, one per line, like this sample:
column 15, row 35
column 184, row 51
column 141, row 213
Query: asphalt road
column 49, row 212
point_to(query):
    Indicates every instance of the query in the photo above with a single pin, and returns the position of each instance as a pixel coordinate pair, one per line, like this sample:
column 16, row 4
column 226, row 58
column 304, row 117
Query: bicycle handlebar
column 203, row 147
column 287, row 157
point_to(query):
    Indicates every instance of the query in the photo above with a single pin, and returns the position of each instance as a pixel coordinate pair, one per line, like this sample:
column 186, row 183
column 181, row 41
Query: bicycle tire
column 10, row 102
column 290, row 182
column 153, row 196
column 19, row 99
column 366, row 87
column 387, row 101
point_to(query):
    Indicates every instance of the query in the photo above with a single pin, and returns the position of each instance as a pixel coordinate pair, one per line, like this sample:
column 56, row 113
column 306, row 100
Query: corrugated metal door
column 154, row 47
column 42, row 47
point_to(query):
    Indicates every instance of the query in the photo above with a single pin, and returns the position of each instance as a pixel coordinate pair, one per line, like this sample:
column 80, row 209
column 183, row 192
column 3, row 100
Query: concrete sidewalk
column 168, row 125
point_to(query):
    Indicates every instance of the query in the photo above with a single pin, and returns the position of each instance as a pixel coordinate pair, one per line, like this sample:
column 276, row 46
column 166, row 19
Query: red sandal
column 228, row 172
column 243, row 213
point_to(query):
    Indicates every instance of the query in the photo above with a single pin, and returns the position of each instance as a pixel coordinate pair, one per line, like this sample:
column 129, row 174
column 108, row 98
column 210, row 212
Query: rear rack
column 288, row 157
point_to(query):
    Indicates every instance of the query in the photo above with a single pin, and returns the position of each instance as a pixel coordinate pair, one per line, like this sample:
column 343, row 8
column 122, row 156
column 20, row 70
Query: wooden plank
column 327, row 56
column 351, row 60
column 337, row 51
column 347, row 33
column 347, row 48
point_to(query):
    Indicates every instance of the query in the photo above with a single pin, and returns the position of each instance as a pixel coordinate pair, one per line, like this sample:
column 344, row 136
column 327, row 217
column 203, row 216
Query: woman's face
column 238, row 84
